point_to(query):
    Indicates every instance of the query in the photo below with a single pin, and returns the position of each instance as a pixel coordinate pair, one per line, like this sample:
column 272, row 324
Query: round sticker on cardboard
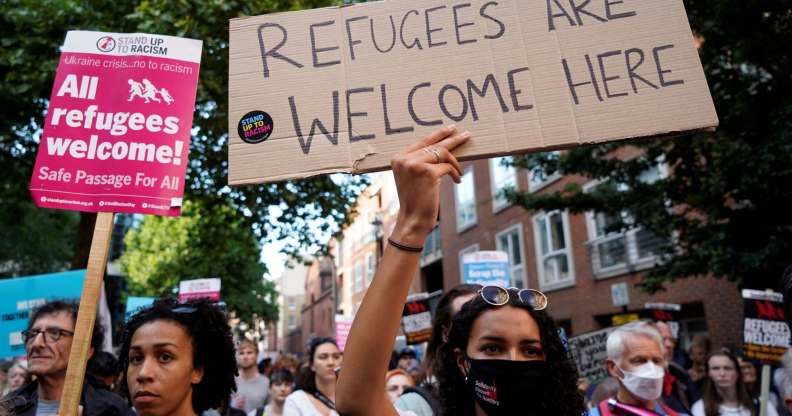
column 255, row 127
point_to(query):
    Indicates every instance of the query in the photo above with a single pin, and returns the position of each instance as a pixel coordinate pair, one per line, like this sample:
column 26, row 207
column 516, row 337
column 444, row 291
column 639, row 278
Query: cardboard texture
column 342, row 89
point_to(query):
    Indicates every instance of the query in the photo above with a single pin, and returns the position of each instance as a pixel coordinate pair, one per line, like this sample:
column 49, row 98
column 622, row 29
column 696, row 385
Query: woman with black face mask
column 503, row 355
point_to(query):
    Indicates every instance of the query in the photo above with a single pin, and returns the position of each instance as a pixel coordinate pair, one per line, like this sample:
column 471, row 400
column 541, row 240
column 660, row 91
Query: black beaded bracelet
column 401, row 246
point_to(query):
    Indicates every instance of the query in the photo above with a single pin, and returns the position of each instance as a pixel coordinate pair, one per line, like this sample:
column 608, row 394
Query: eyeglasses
column 51, row 335
column 499, row 296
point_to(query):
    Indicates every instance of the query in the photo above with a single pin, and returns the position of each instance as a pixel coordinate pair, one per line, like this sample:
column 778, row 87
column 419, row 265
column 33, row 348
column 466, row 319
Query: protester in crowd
column 396, row 382
column 4, row 366
column 265, row 366
column 252, row 386
column 48, row 341
column 784, row 387
column 699, row 351
column 423, row 399
column 679, row 392
column 724, row 392
column 604, row 390
column 224, row 409
column 750, row 379
column 288, row 362
column 636, row 358
column 18, row 376
column 102, row 370
column 178, row 358
column 783, row 376
column 316, row 384
column 448, row 306
column 406, row 358
column 501, row 344
column 281, row 386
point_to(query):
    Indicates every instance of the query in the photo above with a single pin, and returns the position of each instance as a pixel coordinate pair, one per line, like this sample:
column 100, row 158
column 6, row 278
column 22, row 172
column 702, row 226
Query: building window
column 510, row 240
column 503, row 177
column 465, row 196
column 614, row 249
column 292, row 304
column 371, row 266
column 469, row 249
column 359, row 278
column 538, row 178
column 553, row 254
column 292, row 323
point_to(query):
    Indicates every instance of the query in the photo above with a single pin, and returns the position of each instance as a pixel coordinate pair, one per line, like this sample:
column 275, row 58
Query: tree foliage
column 726, row 204
column 30, row 35
column 207, row 241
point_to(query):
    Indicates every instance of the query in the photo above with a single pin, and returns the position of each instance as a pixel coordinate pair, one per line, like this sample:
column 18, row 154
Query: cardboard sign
column 342, row 89
column 588, row 351
column 117, row 133
column 22, row 294
column 765, row 332
column 487, row 268
column 342, row 326
column 417, row 318
column 199, row 288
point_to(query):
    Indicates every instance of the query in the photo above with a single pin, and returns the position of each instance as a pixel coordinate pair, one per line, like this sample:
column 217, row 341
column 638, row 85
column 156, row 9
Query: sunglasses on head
column 499, row 296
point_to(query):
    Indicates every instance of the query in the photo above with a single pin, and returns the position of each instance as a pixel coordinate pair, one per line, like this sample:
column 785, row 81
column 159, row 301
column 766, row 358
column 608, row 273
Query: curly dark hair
column 441, row 322
column 213, row 346
column 560, row 395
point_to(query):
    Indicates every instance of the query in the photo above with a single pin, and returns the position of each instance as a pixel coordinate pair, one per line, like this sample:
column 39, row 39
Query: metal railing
column 627, row 252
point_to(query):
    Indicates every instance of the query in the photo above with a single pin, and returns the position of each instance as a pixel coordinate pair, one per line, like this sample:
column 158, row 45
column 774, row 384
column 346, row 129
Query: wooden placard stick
column 86, row 315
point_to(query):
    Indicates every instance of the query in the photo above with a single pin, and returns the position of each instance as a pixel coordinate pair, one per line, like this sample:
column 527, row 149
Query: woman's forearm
column 361, row 385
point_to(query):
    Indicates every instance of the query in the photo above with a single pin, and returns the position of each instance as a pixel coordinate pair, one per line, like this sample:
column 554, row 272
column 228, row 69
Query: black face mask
column 505, row 387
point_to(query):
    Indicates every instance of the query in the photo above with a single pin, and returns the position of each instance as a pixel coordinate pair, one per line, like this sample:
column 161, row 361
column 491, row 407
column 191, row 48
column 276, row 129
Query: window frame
column 518, row 228
column 540, row 256
column 534, row 186
column 499, row 202
column 461, row 227
column 632, row 260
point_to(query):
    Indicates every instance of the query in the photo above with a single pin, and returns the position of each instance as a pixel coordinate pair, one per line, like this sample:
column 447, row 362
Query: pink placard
column 117, row 133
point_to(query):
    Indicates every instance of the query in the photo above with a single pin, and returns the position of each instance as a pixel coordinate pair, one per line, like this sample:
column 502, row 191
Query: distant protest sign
column 417, row 317
column 342, row 326
column 342, row 89
column 486, row 268
column 200, row 288
column 117, row 133
column 765, row 332
column 588, row 351
column 22, row 294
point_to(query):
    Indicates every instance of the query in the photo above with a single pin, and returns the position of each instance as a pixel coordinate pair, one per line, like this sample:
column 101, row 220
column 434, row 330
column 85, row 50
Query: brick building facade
column 569, row 257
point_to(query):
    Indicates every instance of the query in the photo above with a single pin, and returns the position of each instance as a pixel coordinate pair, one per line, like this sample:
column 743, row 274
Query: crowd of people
column 493, row 351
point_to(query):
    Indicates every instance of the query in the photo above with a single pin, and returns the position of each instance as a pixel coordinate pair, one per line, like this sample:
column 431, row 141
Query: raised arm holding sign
column 116, row 139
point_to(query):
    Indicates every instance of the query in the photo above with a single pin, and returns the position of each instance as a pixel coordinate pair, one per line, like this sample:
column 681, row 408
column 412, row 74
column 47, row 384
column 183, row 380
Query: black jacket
column 95, row 402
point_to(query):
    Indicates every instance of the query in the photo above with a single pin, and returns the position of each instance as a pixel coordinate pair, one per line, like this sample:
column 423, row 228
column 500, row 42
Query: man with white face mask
column 636, row 358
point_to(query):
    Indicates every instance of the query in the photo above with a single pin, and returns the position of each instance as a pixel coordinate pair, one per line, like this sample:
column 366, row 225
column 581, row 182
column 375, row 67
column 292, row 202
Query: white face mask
column 644, row 381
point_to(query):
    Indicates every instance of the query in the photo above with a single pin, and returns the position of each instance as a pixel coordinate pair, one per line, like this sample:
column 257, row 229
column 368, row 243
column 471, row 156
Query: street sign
column 620, row 294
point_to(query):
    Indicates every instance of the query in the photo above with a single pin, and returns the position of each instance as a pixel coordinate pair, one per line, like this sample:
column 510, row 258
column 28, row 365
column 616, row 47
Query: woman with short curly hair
column 178, row 358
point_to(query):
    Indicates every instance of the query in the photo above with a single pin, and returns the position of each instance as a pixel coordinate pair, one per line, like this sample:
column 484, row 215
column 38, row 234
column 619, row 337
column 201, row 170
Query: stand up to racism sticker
column 117, row 134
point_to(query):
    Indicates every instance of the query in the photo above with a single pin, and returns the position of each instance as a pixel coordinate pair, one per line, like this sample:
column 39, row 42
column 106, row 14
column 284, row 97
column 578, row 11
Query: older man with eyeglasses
column 48, row 340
